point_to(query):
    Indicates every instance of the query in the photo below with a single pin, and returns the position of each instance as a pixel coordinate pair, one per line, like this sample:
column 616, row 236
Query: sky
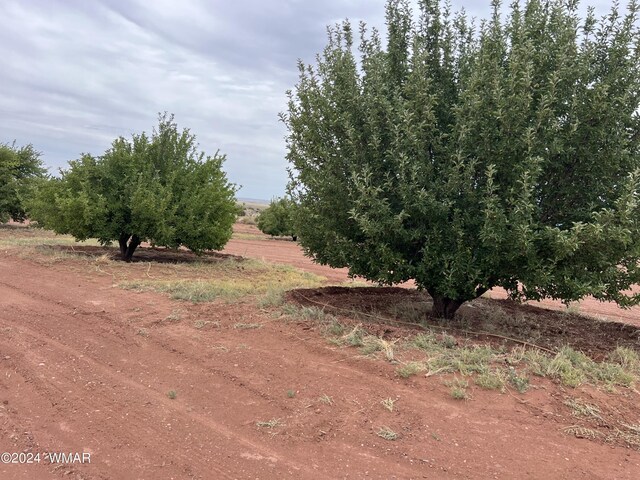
column 77, row 74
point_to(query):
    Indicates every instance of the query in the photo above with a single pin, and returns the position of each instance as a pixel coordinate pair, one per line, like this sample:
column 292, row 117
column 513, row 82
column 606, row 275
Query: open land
column 256, row 363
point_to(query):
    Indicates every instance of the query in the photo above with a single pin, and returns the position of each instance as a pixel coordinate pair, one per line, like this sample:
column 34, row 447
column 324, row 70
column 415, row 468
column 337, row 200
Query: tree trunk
column 124, row 237
column 133, row 244
column 444, row 307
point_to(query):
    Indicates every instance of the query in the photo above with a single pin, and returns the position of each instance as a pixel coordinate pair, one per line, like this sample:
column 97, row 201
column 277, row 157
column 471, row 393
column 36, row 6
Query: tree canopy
column 155, row 188
column 467, row 157
column 277, row 218
column 20, row 168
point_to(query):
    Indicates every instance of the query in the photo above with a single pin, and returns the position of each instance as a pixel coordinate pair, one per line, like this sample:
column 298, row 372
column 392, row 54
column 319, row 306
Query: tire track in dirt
column 50, row 350
column 108, row 329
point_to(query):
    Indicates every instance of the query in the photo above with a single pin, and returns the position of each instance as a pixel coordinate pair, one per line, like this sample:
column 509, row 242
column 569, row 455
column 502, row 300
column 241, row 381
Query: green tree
column 20, row 169
column 277, row 218
column 156, row 188
column 464, row 158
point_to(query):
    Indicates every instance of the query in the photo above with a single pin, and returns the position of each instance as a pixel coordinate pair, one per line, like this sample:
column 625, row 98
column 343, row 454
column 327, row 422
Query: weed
column 143, row 332
column 573, row 368
column 388, row 403
column 354, row 338
column 373, row 344
column 291, row 393
column 519, row 382
column 409, row 369
column 172, row 394
column 426, row 342
column 582, row 432
column 582, row 409
column 174, row 316
column 494, row 317
column 410, row 311
column 627, row 358
column 273, row 298
column 335, row 328
column 517, row 355
column 448, row 341
column 247, row 326
column 466, row 360
column 273, row 423
column 307, row 313
column 573, row 308
column 458, row 393
column 387, row 433
column 326, row 399
column 200, row 324
column 491, row 380
column 458, row 388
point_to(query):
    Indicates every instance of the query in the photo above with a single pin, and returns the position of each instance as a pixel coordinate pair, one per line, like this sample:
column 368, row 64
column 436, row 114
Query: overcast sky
column 76, row 74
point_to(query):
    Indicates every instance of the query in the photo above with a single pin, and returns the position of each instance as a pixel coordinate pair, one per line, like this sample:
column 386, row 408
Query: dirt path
column 86, row 367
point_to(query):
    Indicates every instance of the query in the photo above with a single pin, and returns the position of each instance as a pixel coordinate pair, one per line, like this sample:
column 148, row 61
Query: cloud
column 78, row 74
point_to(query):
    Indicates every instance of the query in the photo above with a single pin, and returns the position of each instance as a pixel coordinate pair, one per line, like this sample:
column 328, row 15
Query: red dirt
column 86, row 367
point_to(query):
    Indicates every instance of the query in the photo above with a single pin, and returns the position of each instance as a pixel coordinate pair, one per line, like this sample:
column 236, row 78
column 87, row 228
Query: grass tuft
column 273, row 423
column 410, row 368
column 491, row 380
column 247, row 326
column 387, row 433
column 458, row 388
column 388, row 403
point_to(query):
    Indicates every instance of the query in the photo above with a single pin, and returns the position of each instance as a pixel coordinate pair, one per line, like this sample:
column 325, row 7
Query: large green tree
column 20, row 169
column 277, row 218
column 468, row 158
column 155, row 188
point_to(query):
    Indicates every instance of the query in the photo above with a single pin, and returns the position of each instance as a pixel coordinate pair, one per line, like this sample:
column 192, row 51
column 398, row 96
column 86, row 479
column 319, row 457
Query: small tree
column 20, row 168
column 276, row 219
column 507, row 156
column 158, row 189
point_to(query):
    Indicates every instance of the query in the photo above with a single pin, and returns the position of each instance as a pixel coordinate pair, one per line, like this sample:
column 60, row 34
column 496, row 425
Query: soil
column 88, row 367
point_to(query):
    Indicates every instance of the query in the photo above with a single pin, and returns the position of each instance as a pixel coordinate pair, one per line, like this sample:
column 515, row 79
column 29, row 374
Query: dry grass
column 388, row 403
column 230, row 280
column 458, row 388
column 387, row 433
column 197, row 279
column 492, row 368
column 411, row 368
column 273, row 423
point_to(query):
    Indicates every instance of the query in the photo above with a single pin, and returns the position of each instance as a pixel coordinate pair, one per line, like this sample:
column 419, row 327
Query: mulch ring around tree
column 393, row 312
